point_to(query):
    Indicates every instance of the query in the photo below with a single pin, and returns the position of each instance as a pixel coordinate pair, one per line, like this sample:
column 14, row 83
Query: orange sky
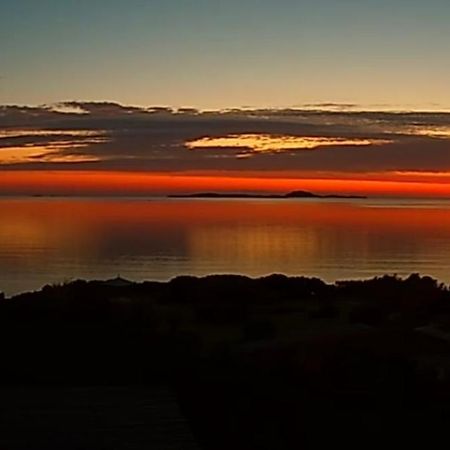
column 140, row 183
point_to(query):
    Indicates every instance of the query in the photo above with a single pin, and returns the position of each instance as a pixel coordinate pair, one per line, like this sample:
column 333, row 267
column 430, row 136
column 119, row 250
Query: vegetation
column 271, row 363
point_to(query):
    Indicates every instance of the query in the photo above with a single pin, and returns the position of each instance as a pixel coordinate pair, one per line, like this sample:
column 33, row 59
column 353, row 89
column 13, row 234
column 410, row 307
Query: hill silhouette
column 293, row 194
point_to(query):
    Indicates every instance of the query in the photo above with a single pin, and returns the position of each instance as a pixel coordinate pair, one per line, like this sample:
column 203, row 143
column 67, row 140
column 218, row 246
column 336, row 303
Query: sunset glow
column 120, row 183
column 287, row 98
column 224, row 224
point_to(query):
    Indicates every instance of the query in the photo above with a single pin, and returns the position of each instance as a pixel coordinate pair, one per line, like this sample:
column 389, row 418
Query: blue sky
column 215, row 54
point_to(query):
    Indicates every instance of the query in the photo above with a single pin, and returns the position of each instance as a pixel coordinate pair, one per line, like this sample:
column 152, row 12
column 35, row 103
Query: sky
column 329, row 95
column 215, row 54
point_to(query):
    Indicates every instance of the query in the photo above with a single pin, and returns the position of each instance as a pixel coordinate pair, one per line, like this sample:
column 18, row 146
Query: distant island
column 293, row 194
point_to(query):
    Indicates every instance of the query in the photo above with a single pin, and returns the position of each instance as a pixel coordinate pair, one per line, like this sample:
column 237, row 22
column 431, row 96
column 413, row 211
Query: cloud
column 331, row 106
column 110, row 136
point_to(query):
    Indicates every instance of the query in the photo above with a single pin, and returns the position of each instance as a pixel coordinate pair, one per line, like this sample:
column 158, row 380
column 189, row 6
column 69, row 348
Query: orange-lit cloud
column 53, row 154
column 435, row 132
column 15, row 133
column 277, row 143
column 47, row 145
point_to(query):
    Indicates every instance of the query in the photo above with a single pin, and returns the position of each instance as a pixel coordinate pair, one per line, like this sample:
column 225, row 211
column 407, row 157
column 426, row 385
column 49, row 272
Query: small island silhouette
column 289, row 195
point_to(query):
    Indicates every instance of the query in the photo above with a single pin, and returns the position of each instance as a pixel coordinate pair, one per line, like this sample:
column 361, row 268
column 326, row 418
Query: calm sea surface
column 51, row 240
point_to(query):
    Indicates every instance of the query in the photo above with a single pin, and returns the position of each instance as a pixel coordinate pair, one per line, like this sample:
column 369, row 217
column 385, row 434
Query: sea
column 51, row 240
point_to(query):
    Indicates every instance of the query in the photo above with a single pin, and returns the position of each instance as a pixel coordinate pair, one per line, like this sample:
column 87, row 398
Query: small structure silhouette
column 118, row 282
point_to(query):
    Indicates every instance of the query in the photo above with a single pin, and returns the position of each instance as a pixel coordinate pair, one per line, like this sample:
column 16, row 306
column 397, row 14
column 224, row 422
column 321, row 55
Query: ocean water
column 54, row 240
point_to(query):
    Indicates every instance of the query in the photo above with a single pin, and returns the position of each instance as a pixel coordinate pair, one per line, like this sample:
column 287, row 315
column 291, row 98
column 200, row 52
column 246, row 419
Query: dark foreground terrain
column 273, row 363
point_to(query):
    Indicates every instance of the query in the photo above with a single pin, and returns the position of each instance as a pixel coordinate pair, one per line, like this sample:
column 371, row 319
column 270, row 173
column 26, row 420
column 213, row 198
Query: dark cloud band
column 104, row 136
